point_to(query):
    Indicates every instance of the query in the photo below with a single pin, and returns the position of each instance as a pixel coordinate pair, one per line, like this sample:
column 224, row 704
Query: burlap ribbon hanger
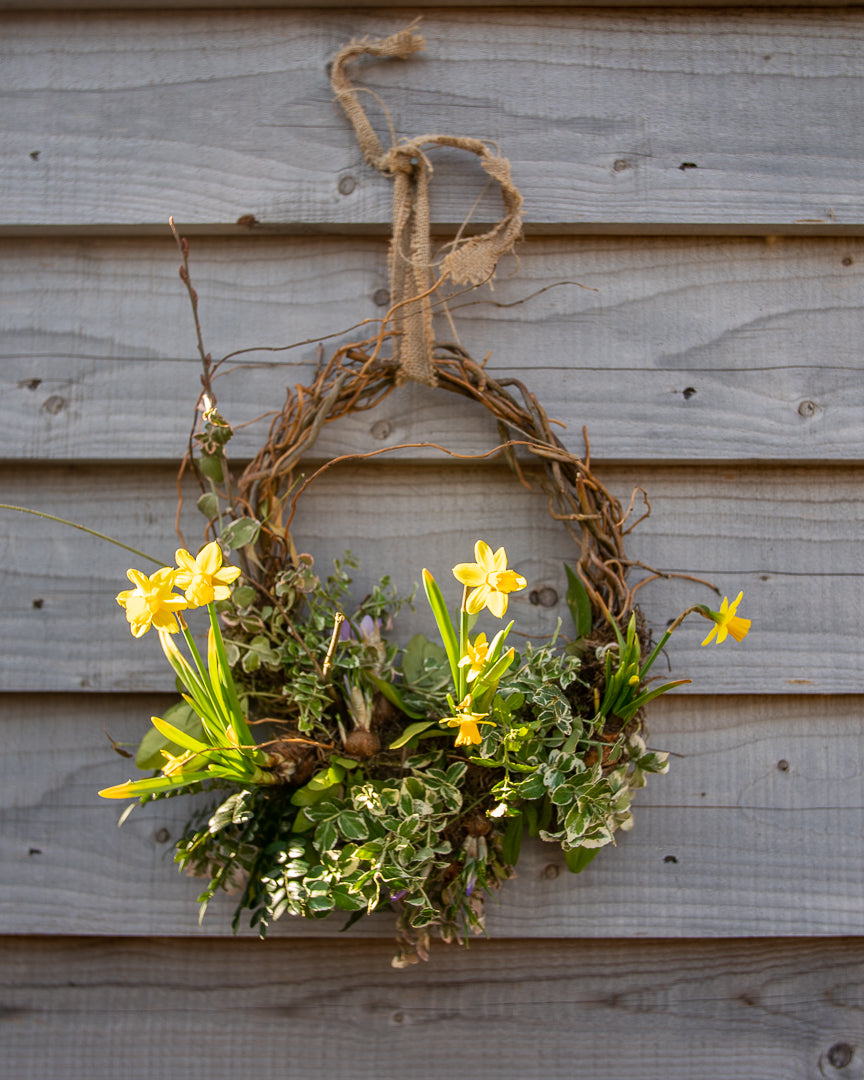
column 469, row 262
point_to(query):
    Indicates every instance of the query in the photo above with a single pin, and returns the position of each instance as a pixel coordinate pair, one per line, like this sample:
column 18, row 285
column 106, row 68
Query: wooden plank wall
column 695, row 215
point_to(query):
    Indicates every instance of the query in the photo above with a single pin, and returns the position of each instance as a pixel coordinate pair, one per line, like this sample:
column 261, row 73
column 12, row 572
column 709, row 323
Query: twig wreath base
column 356, row 380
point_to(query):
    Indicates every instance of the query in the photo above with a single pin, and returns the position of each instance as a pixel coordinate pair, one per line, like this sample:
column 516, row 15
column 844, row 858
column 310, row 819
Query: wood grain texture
column 768, row 1010
column 673, row 349
column 760, row 809
column 657, row 119
column 790, row 538
column 192, row 5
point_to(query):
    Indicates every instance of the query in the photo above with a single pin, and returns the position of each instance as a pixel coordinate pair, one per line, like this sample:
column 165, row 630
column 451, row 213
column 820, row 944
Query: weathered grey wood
column 115, row 121
column 674, row 349
column 79, row 1008
column 761, row 809
column 145, row 5
column 790, row 538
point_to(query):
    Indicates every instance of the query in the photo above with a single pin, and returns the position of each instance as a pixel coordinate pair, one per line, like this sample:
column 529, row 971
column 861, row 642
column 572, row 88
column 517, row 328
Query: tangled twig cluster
column 357, row 378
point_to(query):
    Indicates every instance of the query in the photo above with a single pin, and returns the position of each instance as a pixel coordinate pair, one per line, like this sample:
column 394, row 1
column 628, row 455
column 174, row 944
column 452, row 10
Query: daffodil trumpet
column 726, row 621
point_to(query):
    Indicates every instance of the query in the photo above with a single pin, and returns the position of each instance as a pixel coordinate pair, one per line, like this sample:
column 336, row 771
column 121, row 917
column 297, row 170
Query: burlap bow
column 469, row 262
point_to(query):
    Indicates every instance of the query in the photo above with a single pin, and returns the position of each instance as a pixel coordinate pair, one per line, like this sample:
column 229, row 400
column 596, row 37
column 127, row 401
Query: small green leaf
column 208, row 504
column 511, row 845
column 579, row 603
column 392, row 694
column 424, row 662
column 409, row 733
column 243, row 531
column 352, row 825
column 243, row 595
column 210, row 466
column 533, row 787
column 578, row 858
column 325, row 836
column 345, row 762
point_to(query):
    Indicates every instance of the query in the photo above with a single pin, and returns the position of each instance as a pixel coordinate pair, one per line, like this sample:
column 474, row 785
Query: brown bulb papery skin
column 477, row 825
column 383, row 710
column 362, row 744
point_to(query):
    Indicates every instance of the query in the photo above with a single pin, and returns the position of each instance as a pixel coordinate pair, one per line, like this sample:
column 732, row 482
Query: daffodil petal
column 209, row 558
column 227, row 575
column 469, row 574
column 165, row 620
column 478, row 599
column 483, row 555
column 137, row 578
column 497, row 603
column 185, row 560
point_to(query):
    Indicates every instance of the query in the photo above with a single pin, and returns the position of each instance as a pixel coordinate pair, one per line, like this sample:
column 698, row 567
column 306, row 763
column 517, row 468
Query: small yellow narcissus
column 475, row 656
column 151, row 602
column 727, row 622
column 489, row 579
column 467, row 721
column 204, row 578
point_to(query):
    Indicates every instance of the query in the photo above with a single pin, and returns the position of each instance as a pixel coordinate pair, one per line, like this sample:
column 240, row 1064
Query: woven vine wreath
column 351, row 774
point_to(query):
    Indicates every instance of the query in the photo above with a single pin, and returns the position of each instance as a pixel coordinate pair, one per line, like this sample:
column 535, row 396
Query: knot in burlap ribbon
column 469, row 262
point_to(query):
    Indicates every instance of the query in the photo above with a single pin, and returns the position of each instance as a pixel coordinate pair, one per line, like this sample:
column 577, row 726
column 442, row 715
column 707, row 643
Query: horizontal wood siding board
column 377, row 7
column 761, row 807
column 666, row 349
column 676, row 1010
column 790, row 538
column 609, row 118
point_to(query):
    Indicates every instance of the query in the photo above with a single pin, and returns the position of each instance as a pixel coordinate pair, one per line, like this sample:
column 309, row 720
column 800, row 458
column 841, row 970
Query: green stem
column 701, row 608
column 193, row 649
column 462, row 688
column 84, row 528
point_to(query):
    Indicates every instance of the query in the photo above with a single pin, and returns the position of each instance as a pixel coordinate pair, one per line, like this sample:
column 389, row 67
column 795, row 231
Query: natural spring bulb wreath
column 351, row 774
column 478, row 742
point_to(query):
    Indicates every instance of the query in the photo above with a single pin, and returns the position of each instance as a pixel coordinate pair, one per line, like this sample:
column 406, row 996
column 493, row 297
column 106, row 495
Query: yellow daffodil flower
column 204, row 578
column 151, row 602
column 467, row 721
column 475, row 656
column 489, row 579
column 726, row 621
